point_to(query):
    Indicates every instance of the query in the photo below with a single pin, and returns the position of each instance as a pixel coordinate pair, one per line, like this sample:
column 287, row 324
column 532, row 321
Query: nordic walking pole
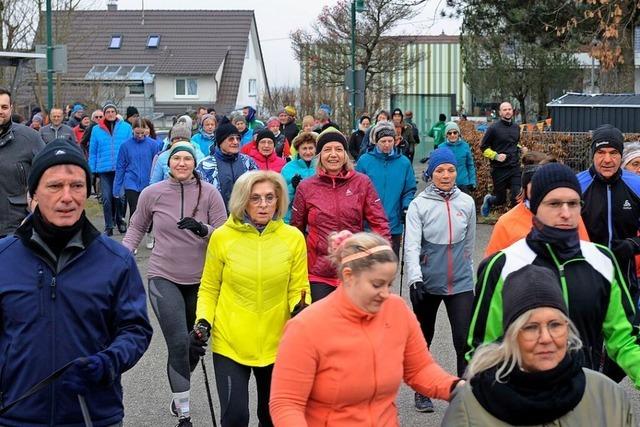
column 206, row 384
column 85, row 411
column 404, row 232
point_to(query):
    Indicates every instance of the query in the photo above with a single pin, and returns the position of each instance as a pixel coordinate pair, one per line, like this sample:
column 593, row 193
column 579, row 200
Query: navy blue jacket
column 94, row 304
column 611, row 211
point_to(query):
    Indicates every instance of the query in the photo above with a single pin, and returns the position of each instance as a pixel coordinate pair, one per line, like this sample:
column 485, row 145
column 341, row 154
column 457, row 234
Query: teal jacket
column 394, row 180
column 296, row 167
column 466, row 168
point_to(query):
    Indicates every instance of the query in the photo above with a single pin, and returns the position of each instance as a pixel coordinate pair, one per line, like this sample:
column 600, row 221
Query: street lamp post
column 49, row 58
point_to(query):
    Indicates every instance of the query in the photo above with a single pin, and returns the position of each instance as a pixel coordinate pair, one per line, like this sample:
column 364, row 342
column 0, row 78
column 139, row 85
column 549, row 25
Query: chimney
column 112, row 5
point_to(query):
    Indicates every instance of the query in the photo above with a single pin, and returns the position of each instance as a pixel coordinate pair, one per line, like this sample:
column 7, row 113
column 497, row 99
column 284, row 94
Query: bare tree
column 324, row 51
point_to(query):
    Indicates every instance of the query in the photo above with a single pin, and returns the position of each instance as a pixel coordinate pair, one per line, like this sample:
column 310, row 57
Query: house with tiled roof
column 164, row 62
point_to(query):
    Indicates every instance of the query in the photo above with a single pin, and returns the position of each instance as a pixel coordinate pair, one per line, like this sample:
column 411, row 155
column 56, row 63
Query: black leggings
column 131, row 196
column 504, row 179
column 232, row 381
column 459, row 308
column 320, row 290
column 175, row 308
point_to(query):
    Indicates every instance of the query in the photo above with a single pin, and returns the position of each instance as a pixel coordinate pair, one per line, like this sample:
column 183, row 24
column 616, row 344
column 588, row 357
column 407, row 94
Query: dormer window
column 154, row 41
column 116, row 41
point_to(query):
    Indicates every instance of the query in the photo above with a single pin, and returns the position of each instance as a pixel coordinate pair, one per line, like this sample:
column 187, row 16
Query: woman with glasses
column 254, row 279
column 535, row 374
column 184, row 211
column 466, row 169
column 336, row 198
column 439, row 246
column 263, row 152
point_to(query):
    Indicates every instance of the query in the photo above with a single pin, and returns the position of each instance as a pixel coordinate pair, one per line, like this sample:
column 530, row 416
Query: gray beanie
column 180, row 130
column 631, row 151
column 380, row 130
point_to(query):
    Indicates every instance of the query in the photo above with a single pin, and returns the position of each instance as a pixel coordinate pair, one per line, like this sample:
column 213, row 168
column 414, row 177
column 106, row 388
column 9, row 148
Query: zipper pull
column 40, row 277
column 53, row 287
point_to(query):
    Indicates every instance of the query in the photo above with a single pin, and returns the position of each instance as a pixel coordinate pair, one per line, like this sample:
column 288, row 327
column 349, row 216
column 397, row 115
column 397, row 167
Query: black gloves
column 417, row 292
column 625, row 248
column 198, row 338
column 301, row 305
column 196, row 227
column 295, row 181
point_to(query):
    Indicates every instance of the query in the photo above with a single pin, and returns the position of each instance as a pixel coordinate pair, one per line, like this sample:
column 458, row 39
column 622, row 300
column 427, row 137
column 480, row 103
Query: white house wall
column 251, row 69
column 165, row 90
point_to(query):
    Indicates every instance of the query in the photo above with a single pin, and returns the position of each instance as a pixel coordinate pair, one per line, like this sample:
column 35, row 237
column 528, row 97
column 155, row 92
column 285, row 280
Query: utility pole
column 49, row 58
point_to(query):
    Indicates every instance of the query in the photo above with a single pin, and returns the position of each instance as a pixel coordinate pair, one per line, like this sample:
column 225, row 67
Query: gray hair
column 506, row 354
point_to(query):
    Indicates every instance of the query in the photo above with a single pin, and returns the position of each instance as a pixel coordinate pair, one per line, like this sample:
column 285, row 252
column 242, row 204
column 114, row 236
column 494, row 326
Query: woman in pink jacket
column 341, row 361
column 263, row 152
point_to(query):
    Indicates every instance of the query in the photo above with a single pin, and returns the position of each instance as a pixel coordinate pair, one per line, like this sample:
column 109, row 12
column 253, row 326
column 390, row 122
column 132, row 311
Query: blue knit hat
column 438, row 157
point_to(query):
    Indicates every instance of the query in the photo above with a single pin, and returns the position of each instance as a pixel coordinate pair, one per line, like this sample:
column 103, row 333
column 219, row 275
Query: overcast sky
column 276, row 19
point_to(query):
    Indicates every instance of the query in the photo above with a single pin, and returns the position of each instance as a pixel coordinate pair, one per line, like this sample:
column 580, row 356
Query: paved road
column 147, row 393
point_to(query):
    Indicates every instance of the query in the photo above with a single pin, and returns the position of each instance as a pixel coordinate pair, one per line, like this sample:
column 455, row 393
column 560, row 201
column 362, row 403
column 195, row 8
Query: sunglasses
column 453, row 132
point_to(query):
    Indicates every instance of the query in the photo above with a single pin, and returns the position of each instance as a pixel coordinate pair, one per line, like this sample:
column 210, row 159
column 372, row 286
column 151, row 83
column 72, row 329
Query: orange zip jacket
column 515, row 225
column 340, row 366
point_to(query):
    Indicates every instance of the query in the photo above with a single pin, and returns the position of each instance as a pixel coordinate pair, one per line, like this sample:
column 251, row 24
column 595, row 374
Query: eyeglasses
column 268, row 200
column 452, row 132
column 532, row 331
column 558, row 204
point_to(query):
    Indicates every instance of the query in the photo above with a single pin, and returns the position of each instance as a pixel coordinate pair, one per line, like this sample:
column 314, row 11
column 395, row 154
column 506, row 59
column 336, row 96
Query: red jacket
column 324, row 204
column 270, row 163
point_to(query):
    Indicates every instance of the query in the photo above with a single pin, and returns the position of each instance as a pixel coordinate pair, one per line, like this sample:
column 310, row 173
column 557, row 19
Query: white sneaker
column 151, row 241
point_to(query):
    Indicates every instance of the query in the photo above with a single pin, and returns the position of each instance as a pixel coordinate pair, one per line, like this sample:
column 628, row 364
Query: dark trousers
column 112, row 208
column 466, row 189
column 396, row 241
column 503, row 179
column 131, row 196
column 232, row 381
column 459, row 308
column 320, row 290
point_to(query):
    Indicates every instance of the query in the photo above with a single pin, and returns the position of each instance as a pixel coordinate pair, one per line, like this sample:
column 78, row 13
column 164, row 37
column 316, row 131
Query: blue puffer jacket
column 160, row 170
column 104, row 146
column 94, row 305
column 134, row 164
column 466, row 169
column 296, row 167
column 394, row 180
column 204, row 142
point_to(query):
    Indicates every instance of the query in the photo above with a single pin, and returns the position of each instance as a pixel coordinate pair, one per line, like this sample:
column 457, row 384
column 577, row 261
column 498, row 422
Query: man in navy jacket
column 69, row 296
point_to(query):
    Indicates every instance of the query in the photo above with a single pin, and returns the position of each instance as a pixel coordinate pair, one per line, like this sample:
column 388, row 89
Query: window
column 116, row 42
column 252, row 87
column 153, row 41
column 187, row 87
column 136, row 89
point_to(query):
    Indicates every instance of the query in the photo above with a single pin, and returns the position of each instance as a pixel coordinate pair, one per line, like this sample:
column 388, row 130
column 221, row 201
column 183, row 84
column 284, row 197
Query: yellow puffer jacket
column 250, row 283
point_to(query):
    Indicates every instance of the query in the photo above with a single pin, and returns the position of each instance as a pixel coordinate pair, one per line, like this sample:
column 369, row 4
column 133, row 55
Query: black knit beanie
column 530, row 287
column 57, row 152
column 224, row 131
column 607, row 136
column 330, row 134
column 265, row 133
column 549, row 177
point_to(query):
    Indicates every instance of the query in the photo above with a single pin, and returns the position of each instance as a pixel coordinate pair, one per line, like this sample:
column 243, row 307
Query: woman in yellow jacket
column 254, row 279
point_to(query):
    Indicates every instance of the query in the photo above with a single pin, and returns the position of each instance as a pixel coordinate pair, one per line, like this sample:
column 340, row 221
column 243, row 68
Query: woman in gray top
column 184, row 211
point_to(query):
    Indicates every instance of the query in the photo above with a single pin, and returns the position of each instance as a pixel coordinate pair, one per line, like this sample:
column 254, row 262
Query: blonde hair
column 506, row 354
column 242, row 191
column 308, row 120
column 360, row 243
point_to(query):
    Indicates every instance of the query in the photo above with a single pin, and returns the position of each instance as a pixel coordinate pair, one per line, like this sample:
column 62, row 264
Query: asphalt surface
column 147, row 393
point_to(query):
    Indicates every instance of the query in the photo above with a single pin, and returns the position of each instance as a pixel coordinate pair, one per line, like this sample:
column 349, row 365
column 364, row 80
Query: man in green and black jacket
column 592, row 285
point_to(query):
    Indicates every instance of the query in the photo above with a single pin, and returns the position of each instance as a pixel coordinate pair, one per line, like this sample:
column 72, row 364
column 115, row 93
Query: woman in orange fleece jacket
column 341, row 361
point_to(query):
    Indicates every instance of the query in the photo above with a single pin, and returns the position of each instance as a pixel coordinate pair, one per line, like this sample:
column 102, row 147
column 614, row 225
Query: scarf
column 110, row 125
column 56, row 238
column 532, row 398
column 444, row 194
column 5, row 128
column 565, row 242
column 259, row 227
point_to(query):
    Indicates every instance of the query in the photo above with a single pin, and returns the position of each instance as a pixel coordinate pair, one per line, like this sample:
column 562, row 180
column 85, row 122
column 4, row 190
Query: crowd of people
column 276, row 246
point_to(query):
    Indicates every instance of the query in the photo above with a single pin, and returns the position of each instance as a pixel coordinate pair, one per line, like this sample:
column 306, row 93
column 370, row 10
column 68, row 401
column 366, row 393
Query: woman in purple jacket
column 184, row 211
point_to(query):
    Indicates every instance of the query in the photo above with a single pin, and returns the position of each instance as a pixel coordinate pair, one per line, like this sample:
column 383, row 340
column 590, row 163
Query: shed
column 579, row 112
